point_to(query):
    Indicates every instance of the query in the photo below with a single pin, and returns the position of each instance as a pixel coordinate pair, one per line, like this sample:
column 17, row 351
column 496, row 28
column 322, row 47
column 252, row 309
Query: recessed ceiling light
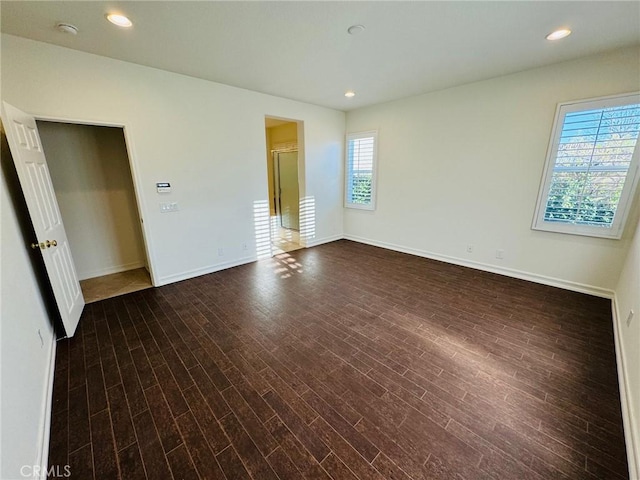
column 558, row 34
column 67, row 28
column 349, row 94
column 355, row 29
column 119, row 20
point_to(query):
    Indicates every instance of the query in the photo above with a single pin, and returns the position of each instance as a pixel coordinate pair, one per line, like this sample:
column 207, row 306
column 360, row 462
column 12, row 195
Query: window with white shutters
column 592, row 167
column 360, row 170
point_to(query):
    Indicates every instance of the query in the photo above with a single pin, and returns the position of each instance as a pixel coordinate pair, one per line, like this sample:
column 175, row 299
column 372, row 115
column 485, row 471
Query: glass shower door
column 289, row 195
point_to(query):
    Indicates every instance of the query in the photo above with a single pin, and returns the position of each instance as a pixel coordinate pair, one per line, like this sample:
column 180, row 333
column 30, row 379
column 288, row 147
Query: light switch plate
column 169, row 207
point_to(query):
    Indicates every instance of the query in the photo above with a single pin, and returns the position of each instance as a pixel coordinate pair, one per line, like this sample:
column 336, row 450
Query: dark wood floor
column 342, row 361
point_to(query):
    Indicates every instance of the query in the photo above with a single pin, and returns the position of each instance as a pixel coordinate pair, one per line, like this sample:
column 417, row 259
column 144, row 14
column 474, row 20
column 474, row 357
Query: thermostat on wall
column 163, row 187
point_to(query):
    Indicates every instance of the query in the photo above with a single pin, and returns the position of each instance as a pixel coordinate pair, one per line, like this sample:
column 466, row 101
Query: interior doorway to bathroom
column 283, row 174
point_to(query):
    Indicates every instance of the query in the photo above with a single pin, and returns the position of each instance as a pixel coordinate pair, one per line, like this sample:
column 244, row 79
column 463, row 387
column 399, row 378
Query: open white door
column 33, row 173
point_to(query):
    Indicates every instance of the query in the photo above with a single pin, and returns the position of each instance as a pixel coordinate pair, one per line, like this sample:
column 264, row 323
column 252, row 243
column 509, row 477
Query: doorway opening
column 284, row 174
column 93, row 184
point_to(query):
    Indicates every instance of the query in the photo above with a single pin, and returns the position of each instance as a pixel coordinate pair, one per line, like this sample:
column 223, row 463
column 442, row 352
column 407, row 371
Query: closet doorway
column 91, row 175
column 283, row 174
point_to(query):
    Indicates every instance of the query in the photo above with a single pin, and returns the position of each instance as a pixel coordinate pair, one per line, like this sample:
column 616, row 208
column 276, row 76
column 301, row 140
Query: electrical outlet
column 470, row 248
column 499, row 254
column 220, row 252
column 630, row 317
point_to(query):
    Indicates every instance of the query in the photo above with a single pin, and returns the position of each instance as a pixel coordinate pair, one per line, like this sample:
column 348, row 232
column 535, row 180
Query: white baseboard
column 509, row 272
column 314, row 242
column 235, row 263
column 178, row 277
column 631, row 434
column 45, row 429
column 110, row 270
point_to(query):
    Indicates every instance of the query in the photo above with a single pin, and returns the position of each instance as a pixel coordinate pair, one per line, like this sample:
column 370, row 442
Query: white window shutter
column 591, row 169
column 361, row 153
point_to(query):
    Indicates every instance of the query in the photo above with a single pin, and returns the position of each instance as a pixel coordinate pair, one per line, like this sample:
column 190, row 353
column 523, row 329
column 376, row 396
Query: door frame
column 135, row 176
column 301, row 168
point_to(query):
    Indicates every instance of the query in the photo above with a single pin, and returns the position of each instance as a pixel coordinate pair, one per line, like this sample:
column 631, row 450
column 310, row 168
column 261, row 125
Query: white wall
column 463, row 166
column 92, row 180
column 627, row 299
column 25, row 357
column 457, row 166
column 207, row 139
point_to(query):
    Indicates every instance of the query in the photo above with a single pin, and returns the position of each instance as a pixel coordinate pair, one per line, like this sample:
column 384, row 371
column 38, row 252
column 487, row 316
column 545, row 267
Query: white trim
column 631, row 434
column 135, row 177
column 235, row 263
column 79, row 121
column 45, row 430
column 319, row 241
column 374, row 170
column 300, row 147
column 204, row 270
column 624, row 204
column 509, row 272
column 109, row 270
column 147, row 240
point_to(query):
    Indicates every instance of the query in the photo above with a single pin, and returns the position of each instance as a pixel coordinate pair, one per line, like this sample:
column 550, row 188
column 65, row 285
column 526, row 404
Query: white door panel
column 33, row 173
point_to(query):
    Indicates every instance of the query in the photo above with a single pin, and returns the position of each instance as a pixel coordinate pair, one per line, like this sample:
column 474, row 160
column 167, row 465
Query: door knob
column 43, row 245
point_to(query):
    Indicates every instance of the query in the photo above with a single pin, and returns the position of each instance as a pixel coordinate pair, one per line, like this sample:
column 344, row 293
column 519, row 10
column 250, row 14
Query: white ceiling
column 301, row 50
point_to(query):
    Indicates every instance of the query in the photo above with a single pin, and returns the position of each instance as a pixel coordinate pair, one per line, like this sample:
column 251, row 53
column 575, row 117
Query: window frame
column 630, row 185
column 374, row 167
